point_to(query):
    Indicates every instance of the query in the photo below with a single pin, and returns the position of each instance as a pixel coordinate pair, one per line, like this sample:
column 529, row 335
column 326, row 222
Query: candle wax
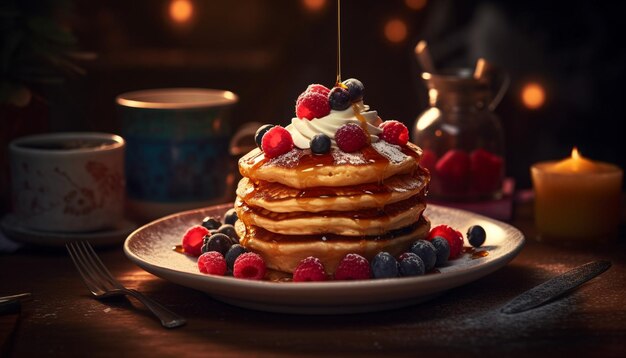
column 577, row 198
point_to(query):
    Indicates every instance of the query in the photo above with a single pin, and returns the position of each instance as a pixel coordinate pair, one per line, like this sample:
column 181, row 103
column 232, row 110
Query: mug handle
column 247, row 130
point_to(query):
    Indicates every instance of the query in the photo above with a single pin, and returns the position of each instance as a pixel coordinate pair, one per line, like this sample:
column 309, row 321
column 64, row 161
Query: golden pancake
column 302, row 169
column 284, row 252
column 375, row 221
column 280, row 198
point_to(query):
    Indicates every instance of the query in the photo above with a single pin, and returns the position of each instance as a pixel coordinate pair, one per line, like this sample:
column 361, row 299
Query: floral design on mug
column 81, row 200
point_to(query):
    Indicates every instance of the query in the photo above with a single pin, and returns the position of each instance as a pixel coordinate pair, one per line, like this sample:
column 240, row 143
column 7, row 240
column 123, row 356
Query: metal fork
column 102, row 284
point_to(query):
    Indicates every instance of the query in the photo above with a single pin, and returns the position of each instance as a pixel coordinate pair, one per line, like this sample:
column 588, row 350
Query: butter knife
column 555, row 287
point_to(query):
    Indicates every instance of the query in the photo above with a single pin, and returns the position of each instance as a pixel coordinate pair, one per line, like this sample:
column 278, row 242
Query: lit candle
column 577, row 198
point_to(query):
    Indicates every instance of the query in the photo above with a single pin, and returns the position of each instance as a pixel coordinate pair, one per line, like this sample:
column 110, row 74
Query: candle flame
column 575, row 154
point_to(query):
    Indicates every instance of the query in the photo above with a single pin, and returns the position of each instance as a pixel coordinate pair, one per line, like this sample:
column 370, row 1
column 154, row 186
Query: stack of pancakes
column 302, row 204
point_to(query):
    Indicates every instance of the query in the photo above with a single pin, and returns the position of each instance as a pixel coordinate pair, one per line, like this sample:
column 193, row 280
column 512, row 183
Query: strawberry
column 453, row 170
column 487, row 171
column 454, row 238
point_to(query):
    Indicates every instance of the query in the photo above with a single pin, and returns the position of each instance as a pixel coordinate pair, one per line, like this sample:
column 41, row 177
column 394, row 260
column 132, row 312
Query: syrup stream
column 338, row 43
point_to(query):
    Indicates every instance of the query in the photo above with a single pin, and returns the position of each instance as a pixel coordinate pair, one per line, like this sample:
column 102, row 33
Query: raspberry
column 487, row 171
column 353, row 267
column 312, row 105
column 212, row 263
column 350, row 138
column 317, row 88
column 276, row 141
column 454, row 238
column 453, row 170
column 192, row 240
column 394, row 132
column 428, row 160
column 309, row 269
column 249, row 266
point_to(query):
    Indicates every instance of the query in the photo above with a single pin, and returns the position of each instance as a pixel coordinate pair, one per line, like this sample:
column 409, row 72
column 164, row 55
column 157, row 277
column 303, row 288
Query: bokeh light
column 396, row 30
column 415, row 4
column 314, row 5
column 533, row 95
column 181, row 11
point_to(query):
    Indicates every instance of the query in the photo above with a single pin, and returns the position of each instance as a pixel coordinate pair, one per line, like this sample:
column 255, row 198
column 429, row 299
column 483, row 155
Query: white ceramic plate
column 151, row 247
column 14, row 230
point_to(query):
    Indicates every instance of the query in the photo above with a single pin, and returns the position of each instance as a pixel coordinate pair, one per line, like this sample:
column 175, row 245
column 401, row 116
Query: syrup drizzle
column 475, row 254
column 338, row 83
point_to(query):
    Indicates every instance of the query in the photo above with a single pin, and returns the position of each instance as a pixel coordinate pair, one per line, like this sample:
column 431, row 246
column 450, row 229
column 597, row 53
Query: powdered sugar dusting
column 390, row 151
column 287, row 160
column 342, row 157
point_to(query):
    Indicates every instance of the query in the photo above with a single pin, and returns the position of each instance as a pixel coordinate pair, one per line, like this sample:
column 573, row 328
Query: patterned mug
column 177, row 155
column 68, row 182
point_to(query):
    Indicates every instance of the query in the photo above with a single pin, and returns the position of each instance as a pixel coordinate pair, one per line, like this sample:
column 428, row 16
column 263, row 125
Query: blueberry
column 442, row 248
column 230, row 217
column 384, row 265
column 229, row 230
column 320, row 144
column 232, row 254
column 476, row 235
column 258, row 136
column 217, row 242
column 339, row 98
column 426, row 251
column 355, row 89
column 411, row 265
column 211, row 223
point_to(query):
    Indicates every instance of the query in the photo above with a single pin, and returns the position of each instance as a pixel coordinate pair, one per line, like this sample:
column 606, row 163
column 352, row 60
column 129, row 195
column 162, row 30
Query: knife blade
column 555, row 287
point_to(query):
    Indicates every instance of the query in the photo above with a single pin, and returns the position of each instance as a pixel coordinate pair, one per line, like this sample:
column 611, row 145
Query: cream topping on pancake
column 302, row 130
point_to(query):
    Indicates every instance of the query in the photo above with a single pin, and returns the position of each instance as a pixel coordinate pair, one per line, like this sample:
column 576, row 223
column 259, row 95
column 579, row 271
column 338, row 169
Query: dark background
column 268, row 51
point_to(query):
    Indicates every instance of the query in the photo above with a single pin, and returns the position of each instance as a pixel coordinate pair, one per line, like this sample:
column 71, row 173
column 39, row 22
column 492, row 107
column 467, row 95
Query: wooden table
column 63, row 320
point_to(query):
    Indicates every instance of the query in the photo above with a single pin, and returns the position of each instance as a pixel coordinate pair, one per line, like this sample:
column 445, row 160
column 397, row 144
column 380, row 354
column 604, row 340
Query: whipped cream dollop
column 302, row 130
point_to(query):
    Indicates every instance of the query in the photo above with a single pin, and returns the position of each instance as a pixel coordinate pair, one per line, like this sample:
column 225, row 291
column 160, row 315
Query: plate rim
column 481, row 269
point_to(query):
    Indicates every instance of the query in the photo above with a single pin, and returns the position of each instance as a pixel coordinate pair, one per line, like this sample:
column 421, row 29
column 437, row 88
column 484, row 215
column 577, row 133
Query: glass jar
column 461, row 136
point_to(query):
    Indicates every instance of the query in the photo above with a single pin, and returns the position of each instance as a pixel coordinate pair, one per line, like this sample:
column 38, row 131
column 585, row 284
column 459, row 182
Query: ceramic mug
column 177, row 155
column 68, row 182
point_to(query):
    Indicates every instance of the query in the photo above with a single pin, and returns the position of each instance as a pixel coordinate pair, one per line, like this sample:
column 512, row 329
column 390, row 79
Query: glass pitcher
column 461, row 136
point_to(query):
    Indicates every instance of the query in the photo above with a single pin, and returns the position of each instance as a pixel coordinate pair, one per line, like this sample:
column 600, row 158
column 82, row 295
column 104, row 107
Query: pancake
column 301, row 169
column 375, row 221
column 280, row 198
column 284, row 252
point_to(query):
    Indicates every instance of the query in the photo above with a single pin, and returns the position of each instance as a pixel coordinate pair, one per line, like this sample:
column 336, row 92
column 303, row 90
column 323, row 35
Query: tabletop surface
column 63, row 320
